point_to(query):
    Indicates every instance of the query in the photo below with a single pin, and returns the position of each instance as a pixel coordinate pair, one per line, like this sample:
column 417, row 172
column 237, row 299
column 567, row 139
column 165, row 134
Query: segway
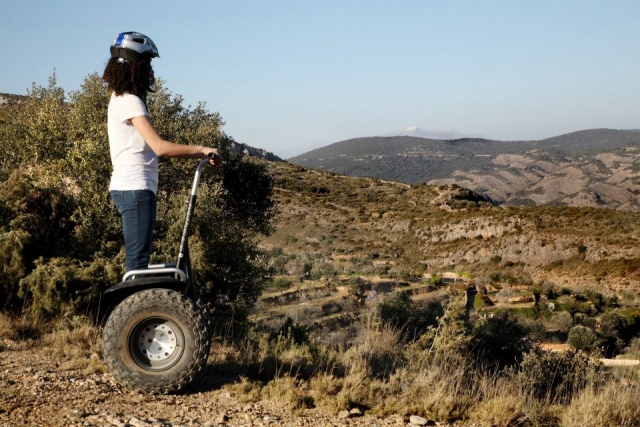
column 158, row 336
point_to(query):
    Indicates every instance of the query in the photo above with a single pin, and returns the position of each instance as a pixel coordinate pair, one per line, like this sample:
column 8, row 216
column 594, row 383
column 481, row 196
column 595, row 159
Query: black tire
column 202, row 306
column 156, row 341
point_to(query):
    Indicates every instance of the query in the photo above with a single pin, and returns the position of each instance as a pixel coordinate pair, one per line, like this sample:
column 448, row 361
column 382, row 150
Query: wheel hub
column 157, row 341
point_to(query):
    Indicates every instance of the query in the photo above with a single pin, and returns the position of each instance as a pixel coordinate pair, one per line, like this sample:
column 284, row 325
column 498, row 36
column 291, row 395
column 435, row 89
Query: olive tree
column 61, row 231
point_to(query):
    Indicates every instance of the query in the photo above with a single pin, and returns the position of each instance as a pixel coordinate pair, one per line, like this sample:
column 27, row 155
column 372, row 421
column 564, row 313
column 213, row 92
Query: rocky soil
column 36, row 391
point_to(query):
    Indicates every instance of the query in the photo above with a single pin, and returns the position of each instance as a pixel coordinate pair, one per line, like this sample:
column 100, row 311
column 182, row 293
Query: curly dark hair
column 134, row 77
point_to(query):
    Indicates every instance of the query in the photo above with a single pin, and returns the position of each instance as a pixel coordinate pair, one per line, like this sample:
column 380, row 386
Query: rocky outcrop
column 8, row 98
column 254, row 152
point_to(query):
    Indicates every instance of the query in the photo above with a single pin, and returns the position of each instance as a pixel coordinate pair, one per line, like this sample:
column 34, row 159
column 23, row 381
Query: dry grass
column 385, row 377
column 78, row 344
column 612, row 406
column 18, row 332
column 504, row 410
column 377, row 373
column 75, row 342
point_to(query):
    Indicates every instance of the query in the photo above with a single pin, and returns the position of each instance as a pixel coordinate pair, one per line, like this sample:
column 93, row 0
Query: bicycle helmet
column 132, row 46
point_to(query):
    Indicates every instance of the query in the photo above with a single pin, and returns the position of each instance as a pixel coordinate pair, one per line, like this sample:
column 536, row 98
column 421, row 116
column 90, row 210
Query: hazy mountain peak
column 430, row 134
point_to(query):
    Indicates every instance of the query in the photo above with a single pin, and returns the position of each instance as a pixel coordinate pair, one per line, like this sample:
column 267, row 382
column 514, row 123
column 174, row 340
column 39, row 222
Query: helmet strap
column 129, row 55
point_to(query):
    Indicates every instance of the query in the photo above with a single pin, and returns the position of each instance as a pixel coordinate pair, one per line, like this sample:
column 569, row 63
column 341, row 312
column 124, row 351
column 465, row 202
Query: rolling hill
column 597, row 167
column 352, row 225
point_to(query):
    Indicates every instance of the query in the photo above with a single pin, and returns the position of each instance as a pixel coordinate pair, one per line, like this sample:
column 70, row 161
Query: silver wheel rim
column 156, row 344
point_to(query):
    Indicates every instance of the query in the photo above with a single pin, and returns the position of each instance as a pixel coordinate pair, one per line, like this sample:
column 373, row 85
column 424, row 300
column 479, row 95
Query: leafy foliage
column 60, row 232
column 500, row 341
column 582, row 338
column 556, row 377
column 410, row 318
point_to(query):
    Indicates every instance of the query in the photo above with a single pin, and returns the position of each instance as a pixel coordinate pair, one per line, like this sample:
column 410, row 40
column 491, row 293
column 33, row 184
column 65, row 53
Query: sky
column 289, row 76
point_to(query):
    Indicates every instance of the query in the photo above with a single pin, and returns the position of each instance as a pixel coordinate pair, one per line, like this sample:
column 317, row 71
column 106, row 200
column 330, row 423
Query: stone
column 76, row 414
column 344, row 414
column 135, row 422
column 418, row 421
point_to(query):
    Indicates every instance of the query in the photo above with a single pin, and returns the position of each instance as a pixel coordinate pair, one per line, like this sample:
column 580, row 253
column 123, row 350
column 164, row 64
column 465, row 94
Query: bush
column 557, row 377
column 34, row 222
column 582, row 338
column 282, row 283
column 61, row 234
column 64, row 287
column 561, row 321
column 376, row 353
column 499, row 341
column 404, row 315
column 614, row 333
column 357, row 286
column 584, row 320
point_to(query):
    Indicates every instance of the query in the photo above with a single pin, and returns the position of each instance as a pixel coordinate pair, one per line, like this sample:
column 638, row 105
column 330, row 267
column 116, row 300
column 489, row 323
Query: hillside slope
column 599, row 167
column 350, row 224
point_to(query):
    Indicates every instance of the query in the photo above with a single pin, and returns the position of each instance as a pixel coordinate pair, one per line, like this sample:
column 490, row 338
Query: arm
column 169, row 149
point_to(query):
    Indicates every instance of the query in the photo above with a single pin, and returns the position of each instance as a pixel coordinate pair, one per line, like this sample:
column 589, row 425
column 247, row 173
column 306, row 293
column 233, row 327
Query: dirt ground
column 605, row 362
column 36, row 391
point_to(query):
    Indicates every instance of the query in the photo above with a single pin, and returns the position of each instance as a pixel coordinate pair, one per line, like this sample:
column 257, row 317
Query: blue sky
column 290, row 76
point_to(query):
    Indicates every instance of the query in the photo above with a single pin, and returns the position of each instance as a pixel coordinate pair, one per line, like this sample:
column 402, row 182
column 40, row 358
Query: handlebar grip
column 212, row 155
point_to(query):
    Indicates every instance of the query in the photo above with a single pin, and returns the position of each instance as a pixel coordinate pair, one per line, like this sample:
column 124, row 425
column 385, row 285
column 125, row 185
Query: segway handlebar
column 196, row 179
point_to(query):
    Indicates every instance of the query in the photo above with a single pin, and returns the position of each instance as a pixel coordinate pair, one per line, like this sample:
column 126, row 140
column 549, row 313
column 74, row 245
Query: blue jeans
column 138, row 211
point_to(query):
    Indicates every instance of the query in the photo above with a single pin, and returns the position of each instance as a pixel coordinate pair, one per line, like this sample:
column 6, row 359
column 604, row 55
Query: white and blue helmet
column 133, row 46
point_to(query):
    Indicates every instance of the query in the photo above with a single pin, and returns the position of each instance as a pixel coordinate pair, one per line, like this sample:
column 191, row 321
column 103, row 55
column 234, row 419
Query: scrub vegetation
column 60, row 234
column 328, row 291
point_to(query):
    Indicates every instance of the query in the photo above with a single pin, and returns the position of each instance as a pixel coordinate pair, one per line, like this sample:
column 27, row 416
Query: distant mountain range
column 431, row 134
column 597, row 167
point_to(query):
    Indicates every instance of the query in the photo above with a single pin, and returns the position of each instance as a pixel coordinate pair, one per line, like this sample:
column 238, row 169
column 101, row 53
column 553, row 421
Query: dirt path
column 35, row 391
column 605, row 362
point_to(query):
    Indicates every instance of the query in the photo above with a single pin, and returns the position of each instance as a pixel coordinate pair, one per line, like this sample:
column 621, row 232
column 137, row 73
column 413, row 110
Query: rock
column 355, row 412
column 418, row 421
column 344, row 414
column 114, row 421
column 75, row 414
column 138, row 423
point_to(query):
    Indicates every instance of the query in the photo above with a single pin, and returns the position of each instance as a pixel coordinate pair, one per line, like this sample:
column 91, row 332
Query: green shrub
column 557, row 377
column 499, row 341
column 615, row 332
column 411, row 318
column 582, row 338
column 57, row 220
column 357, row 286
column 561, row 321
column 60, row 287
column 599, row 300
column 282, row 283
column 584, row 320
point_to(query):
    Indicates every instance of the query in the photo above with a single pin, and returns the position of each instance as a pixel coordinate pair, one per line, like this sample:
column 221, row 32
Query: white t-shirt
column 135, row 165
